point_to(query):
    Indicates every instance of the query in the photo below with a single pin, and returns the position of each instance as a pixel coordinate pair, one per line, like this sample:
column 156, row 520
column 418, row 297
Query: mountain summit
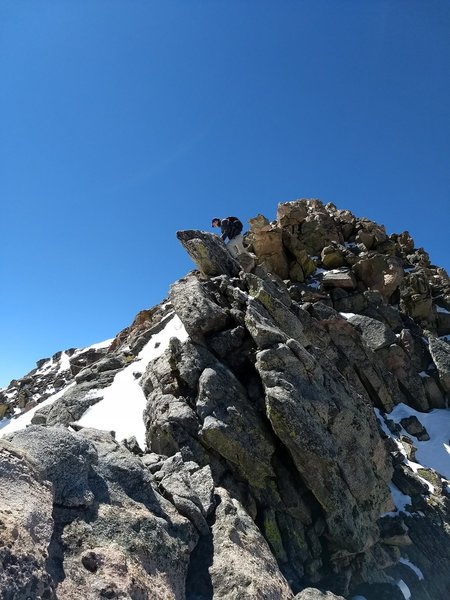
column 277, row 428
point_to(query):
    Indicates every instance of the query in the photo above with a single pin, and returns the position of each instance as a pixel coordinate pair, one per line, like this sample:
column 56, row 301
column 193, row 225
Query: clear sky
column 125, row 120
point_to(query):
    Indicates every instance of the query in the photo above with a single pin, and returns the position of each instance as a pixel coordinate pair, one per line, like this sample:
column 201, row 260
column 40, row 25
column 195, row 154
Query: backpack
column 237, row 225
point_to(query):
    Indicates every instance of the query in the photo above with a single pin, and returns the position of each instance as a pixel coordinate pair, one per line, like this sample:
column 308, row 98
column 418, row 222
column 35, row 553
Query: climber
column 231, row 228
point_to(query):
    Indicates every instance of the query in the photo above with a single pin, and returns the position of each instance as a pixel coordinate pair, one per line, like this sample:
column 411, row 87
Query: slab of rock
column 339, row 279
column 414, row 427
column 209, row 252
column 440, row 352
column 64, row 459
column 197, row 309
column 374, row 333
column 379, row 272
column 26, row 527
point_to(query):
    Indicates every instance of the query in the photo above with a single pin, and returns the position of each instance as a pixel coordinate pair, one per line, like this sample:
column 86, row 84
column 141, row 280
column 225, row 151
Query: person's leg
column 236, row 245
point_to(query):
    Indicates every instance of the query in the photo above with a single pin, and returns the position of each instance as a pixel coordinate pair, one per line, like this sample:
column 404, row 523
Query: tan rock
column 332, row 257
column 380, row 273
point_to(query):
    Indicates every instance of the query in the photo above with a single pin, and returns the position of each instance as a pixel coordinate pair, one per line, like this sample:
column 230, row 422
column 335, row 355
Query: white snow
column 314, row 284
column 412, row 566
column 64, row 363
column 124, row 401
column 442, row 310
column 404, row 589
column 347, row 315
column 423, row 374
column 97, row 346
column 10, row 425
column 400, row 500
column 434, row 453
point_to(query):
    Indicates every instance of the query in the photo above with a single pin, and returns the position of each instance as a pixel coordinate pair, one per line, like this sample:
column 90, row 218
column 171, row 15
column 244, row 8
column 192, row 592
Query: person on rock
column 231, row 228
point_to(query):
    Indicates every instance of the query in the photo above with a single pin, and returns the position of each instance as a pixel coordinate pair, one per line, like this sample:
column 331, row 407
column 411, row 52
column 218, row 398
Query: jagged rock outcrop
column 276, row 427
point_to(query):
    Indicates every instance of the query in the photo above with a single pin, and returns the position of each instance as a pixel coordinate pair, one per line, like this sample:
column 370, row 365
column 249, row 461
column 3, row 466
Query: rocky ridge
column 274, row 431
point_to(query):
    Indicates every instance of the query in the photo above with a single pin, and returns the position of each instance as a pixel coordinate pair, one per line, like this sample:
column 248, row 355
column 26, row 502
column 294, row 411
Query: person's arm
column 225, row 228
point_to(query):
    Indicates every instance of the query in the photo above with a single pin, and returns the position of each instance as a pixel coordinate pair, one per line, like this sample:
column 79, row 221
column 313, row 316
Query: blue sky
column 122, row 122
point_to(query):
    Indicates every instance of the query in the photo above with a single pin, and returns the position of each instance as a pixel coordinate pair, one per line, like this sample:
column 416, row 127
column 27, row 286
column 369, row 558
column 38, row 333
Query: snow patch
column 434, row 453
column 123, row 404
column 442, row 310
column 400, row 500
column 347, row 315
column 10, row 425
column 404, row 589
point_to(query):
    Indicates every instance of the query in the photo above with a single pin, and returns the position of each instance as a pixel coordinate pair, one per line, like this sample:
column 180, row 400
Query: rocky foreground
column 282, row 435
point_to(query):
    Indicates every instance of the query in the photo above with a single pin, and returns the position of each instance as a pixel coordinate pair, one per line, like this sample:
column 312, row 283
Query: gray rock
column 70, row 406
column 232, row 427
column 196, row 308
column 339, row 279
column 234, row 572
column 209, row 253
column 414, row 427
column 374, row 333
column 26, row 527
column 317, row 420
column 190, row 488
column 440, row 352
column 64, row 458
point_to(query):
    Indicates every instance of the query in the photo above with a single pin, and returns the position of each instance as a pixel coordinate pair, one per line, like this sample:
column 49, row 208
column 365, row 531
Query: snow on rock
column 412, row 566
column 124, row 401
column 404, row 589
column 347, row 315
column 10, row 425
column 442, row 310
column 434, row 453
column 400, row 500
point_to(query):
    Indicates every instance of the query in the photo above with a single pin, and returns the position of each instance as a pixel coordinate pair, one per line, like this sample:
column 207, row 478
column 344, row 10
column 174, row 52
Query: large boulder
column 374, row 333
column 209, row 252
column 26, row 527
column 64, row 458
column 381, row 273
column 440, row 352
column 329, row 432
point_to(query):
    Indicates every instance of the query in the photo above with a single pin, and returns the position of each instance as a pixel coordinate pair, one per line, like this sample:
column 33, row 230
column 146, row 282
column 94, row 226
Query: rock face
column 270, row 452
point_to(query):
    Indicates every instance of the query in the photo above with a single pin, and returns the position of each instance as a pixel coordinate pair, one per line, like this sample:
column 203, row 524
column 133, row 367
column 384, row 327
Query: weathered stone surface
column 268, row 247
column 64, row 458
column 374, row 333
column 380, row 273
column 339, row 279
column 209, row 253
column 26, row 527
column 196, row 308
column 440, row 352
column 232, row 427
column 414, row 427
column 304, row 417
column 416, row 298
column 70, row 406
column 398, row 362
column 243, row 566
column 332, row 257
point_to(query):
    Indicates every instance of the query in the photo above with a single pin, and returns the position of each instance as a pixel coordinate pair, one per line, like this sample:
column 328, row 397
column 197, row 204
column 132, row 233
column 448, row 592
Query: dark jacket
column 230, row 227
